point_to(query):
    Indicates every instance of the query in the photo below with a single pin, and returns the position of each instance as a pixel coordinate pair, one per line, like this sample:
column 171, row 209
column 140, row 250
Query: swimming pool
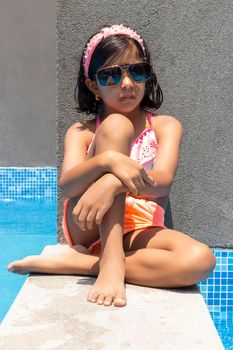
column 28, row 223
column 26, row 227
column 217, row 291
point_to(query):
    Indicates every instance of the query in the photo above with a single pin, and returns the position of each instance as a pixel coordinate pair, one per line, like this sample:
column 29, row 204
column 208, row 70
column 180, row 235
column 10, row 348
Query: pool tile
column 18, row 183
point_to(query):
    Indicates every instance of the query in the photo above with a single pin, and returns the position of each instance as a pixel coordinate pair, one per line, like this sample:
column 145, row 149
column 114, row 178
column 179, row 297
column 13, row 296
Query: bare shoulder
column 82, row 126
column 167, row 124
column 81, row 129
column 77, row 140
column 162, row 120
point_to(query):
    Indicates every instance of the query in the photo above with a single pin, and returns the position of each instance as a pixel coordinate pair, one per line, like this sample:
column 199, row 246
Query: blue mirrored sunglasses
column 111, row 76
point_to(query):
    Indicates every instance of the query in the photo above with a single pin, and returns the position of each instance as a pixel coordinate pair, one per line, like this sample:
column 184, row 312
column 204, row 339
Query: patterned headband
column 104, row 33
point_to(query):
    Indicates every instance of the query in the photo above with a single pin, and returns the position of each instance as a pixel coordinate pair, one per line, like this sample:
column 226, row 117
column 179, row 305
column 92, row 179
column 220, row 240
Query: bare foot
column 58, row 263
column 109, row 285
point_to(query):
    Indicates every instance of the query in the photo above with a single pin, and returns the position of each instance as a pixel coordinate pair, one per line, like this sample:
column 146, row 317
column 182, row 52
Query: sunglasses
column 111, row 76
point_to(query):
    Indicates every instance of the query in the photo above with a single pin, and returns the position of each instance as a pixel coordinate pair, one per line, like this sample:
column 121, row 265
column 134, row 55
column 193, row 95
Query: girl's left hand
column 93, row 204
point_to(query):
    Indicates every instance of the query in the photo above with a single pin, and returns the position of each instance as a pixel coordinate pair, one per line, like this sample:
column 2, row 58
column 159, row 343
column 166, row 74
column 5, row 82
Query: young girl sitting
column 117, row 172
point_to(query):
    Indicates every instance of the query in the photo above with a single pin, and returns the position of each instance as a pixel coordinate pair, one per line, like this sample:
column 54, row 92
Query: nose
column 126, row 81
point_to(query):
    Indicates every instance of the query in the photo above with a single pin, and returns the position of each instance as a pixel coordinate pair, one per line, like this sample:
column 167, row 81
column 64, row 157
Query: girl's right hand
column 131, row 173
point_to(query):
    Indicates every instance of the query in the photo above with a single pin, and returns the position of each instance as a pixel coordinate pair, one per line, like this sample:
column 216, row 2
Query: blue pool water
column 217, row 291
column 26, row 226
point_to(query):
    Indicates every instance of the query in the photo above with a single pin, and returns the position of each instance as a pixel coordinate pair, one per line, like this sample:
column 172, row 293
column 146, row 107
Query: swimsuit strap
column 97, row 121
column 150, row 119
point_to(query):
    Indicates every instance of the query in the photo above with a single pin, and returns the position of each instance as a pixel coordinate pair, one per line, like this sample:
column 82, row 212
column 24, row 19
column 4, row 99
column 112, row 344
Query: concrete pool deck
column 51, row 312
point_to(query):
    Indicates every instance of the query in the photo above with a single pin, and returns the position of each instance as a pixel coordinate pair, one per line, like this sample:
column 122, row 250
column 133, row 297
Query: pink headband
column 104, row 33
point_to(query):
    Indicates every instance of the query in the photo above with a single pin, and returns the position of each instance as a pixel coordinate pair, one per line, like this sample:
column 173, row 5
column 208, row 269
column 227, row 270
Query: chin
column 125, row 110
column 127, row 107
column 124, row 107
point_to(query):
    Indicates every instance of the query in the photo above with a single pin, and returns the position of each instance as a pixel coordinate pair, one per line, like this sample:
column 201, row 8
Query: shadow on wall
column 168, row 216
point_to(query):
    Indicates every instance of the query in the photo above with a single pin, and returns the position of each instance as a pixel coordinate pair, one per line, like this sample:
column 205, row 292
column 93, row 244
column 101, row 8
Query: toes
column 108, row 300
column 14, row 266
column 100, row 299
column 120, row 301
column 11, row 267
column 92, row 297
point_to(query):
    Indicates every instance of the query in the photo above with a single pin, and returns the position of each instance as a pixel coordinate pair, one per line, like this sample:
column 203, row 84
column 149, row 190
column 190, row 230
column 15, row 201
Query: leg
column 115, row 133
column 154, row 263
column 183, row 260
column 153, row 267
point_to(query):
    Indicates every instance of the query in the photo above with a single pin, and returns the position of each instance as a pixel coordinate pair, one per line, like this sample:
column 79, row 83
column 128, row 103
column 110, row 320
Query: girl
column 116, row 174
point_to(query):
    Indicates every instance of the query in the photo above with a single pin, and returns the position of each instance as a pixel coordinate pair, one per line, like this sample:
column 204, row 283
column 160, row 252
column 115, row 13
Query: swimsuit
column 140, row 213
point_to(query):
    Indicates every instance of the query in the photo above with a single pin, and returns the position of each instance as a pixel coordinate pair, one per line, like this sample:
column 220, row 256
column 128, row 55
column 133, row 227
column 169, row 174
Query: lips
column 128, row 98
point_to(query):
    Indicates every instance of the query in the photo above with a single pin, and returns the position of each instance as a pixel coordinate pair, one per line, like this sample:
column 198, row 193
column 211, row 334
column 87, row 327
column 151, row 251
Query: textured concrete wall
column 28, row 83
column 191, row 45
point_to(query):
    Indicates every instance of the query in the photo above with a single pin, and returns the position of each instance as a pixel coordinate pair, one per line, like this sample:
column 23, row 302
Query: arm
column 131, row 174
column 76, row 180
column 79, row 171
column 162, row 188
column 77, row 174
column 169, row 134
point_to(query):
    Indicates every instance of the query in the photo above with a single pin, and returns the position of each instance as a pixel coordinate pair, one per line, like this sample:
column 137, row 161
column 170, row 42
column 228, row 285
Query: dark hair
column 107, row 50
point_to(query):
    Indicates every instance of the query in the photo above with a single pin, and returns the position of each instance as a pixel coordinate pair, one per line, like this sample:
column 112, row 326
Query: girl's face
column 127, row 95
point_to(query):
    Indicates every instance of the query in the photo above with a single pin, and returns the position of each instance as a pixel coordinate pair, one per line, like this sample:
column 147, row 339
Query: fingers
column 86, row 218
column 79, row 216
column 131, row 186
column 90, row 219
column 99, row 216
column 149, row 179
column 88, row 213
column 137, row 186
column 136, row 183
column 75, row 213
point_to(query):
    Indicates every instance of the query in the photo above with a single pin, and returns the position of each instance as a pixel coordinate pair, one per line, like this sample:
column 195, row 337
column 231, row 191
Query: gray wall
column 28, row 83
column 191, row 45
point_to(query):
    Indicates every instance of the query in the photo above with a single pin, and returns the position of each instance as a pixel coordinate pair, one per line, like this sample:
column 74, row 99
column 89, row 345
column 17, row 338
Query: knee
column 198, row 264
column 205, row 258
column 117, row 127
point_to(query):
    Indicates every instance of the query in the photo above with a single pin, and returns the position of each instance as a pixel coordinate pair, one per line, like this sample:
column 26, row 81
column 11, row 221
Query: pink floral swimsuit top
column 144, row 148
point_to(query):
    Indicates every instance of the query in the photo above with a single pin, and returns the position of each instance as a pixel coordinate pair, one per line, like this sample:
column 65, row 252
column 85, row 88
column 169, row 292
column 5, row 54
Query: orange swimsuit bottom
column 140, row 213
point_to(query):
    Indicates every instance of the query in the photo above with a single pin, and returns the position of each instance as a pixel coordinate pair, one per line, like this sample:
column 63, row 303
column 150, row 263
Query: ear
column 92, row 86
